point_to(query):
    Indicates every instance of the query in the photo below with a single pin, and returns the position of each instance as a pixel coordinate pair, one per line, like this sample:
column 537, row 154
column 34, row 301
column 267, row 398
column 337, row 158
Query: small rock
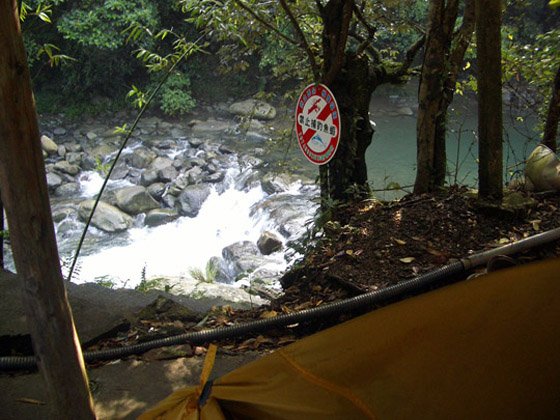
column 91, row 135
column 67, row 168
column 49, row 145
column 159, row 217
column 269, row 243
column 59, row 131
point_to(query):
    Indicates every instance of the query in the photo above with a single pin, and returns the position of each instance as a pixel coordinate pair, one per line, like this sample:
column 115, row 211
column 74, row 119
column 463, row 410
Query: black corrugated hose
column 336, row 308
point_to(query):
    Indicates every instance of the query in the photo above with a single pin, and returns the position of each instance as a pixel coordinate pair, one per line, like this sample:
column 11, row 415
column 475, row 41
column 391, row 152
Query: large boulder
column 543, row 169
column 253, row 108
column 106, row 216
column 135, row 200
column 191, row 199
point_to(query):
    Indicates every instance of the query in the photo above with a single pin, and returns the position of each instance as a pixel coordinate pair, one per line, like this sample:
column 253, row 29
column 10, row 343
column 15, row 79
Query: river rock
column 106, row 217
column 167, row 174
column 67, row 168
column 149, row 177
column 102, row 151
column 195, row 143
column 90, row 135
column 274, row 183
column 254, row 108
column 211, row 126
column 269, row 243
column 405, row 111
column 159, row 217
column 59, row 131
column 49, row 145
column 244, row 256
column 156, row 190
column 68, row 190
column 60, row 214
column 74, row 158
column 191, row 199
column 53, row 180
column 120, row 171
column 223, row 273
column 543, row 169
column 213, row 178
column 160, row 163
column 135, row 200
column 142, row 157
column 61, row 152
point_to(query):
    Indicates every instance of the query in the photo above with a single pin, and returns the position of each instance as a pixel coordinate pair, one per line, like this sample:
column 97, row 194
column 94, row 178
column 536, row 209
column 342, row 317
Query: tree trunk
column 1, row 233
column 352, row 89
column 440, row 69
column 430, row 93
column 553, row 116
column 490, row 169
column 24, row 193
column 348, row 77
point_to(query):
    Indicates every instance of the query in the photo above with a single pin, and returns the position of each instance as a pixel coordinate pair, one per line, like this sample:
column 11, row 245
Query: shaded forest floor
column 374, row 245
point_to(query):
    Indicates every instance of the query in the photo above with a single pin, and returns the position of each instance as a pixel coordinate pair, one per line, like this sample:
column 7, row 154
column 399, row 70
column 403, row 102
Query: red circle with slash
column 317, row 123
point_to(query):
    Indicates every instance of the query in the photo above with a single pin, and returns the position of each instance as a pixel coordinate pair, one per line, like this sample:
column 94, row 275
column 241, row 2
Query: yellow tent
column 487, row 348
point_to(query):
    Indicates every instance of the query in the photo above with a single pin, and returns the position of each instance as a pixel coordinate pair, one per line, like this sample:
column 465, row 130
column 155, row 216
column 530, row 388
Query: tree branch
column 407, row 62
column 303, row 42
column 462, row 42
column 266, row 24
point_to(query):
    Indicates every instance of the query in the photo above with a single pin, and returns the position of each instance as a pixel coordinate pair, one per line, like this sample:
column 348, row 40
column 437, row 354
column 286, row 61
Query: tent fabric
column 486, row 348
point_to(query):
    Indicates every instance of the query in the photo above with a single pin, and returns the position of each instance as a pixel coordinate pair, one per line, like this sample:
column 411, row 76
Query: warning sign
column 317, row 123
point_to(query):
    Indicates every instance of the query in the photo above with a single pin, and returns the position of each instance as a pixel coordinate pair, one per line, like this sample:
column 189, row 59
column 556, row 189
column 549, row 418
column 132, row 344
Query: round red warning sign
column 317, row 123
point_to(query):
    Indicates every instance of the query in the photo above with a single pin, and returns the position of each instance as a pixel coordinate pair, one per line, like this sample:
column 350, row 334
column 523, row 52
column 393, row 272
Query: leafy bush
column 175, row 96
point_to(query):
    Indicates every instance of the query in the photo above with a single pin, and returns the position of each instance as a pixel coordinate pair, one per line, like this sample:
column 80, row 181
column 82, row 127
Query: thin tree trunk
column 550, row 133
column 1, row 233
column 25, row 196
column 490, row 168
column 430, row 92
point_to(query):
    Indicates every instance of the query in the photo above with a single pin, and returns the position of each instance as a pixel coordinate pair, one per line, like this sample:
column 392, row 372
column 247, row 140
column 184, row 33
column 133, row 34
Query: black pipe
column 348, row 305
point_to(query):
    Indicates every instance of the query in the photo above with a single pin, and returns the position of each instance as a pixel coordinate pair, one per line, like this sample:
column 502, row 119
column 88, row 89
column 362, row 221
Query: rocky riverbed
column 164, row 178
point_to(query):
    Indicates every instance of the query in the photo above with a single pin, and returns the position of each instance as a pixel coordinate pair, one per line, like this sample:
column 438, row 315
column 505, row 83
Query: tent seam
column 329, row 386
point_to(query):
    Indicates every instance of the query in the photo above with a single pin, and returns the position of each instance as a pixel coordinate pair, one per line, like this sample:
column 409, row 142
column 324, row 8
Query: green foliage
column 529, row 69
column 101, row 25
column 206, row 276
column 174, row 97
column 105, row 281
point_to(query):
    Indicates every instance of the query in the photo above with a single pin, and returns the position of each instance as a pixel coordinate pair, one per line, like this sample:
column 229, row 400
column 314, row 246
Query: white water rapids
column 178, row 247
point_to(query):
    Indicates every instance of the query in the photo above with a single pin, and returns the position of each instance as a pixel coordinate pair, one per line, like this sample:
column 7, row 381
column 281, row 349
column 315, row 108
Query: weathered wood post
column 25, row 197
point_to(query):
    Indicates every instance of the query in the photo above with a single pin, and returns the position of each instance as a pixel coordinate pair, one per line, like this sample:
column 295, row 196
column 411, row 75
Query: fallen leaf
column 268, row 314
column 407, row 260
column 399, row 241
column 536, row 224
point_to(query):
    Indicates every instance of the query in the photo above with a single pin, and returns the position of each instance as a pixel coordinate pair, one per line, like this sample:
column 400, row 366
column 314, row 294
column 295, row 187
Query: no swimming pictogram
column 317, row 123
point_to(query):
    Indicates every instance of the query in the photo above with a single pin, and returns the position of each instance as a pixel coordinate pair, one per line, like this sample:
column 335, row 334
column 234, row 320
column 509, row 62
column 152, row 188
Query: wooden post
column 25, row 196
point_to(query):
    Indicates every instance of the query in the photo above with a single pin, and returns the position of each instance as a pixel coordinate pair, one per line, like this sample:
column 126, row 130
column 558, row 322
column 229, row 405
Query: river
column 238, row 209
